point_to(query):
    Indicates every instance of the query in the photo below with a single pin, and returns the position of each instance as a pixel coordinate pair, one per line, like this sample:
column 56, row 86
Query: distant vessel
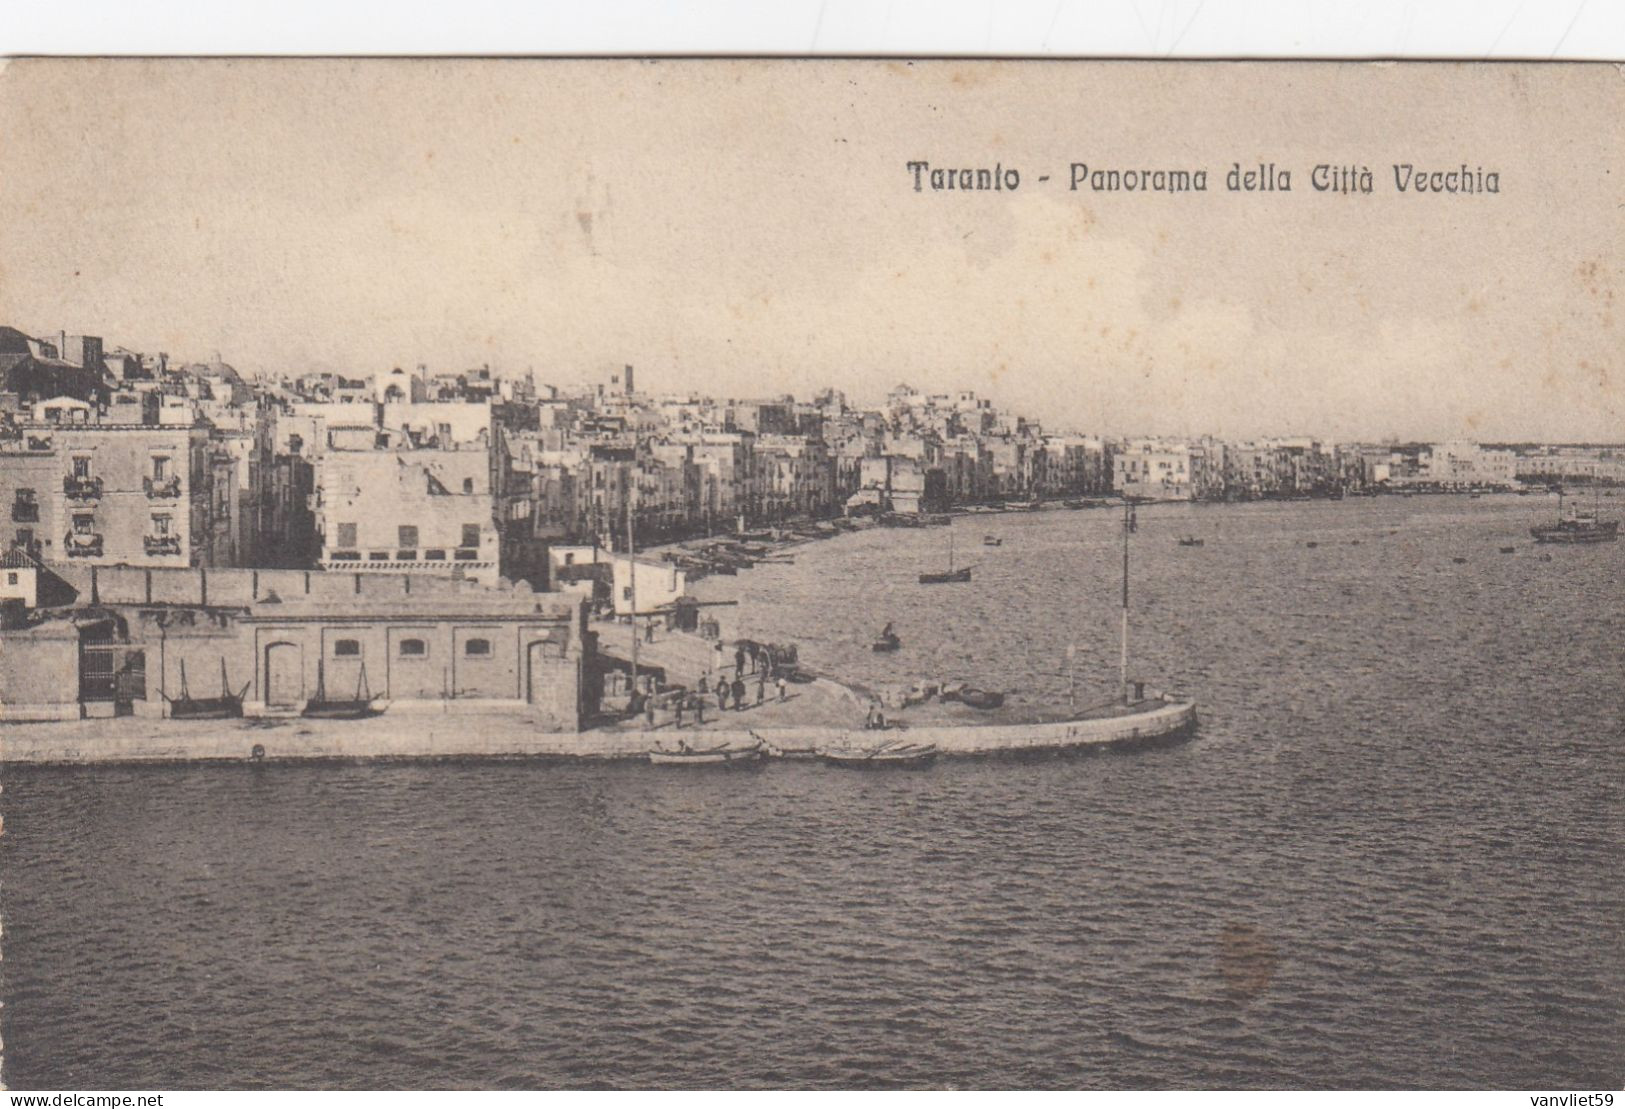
column 888, row 640
column 1577, row 526
column 1190, row 541
column 950, row 575
column 992, row 541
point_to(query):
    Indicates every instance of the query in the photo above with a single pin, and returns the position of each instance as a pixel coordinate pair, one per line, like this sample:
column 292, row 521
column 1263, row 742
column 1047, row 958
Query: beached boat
column 980, row 698
column 724, row 755
column 888, row 756
column 321, row 707
column 1576, row 527
column 224, row 707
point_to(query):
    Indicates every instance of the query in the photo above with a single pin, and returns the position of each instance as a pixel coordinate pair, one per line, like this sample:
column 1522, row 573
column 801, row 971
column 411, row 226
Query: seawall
column 497, row 736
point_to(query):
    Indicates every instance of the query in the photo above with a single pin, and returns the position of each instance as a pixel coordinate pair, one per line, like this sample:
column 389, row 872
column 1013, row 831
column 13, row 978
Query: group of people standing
column 736, row 690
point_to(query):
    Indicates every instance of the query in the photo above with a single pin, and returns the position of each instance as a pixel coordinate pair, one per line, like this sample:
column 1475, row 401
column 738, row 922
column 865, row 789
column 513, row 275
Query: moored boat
column 890, row 756
column 724, row 755
column 980, row 698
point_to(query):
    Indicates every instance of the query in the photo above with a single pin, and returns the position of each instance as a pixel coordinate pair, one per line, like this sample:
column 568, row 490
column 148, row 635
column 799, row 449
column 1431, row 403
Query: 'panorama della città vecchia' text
column 1263, row 177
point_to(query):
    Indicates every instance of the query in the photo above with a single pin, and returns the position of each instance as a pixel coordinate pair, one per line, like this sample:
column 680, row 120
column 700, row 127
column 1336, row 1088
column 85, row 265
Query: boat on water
column 1508, row 550
column 322, row 707
column 1577, row 526
column 992, row 541
column 227, row 706
column 724, row 755
column 1191, row 541
column 888, row 756
column 949, row 575
column 887, row 640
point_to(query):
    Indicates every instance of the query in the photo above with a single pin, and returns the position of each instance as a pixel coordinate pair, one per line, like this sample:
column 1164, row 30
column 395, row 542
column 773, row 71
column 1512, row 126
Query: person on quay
column 679, row 706
column 761, row 686
column 780, row 682
column 739, row 694
column 699, row 710
column 722, row 695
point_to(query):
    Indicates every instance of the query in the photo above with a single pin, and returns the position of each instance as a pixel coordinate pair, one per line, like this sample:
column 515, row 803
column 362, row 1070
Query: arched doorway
column 284, row 675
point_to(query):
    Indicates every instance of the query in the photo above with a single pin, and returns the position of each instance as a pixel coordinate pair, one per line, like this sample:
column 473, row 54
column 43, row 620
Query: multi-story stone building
column 102, row 493
column 423, row 511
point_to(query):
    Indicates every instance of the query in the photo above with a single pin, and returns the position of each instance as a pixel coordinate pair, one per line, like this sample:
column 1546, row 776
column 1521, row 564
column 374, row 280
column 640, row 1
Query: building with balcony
column 408, row 511
column 100, row 492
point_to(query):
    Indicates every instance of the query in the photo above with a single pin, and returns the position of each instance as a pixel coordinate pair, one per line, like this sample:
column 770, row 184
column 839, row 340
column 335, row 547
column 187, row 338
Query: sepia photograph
column 811, row 574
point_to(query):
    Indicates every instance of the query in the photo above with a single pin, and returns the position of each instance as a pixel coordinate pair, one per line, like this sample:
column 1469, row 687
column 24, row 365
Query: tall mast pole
column 1123, row 663
column 632, row 567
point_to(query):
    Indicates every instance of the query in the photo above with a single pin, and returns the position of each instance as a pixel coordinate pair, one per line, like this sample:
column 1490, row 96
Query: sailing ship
column 950, row 575
column 322, row 707
column 1578, row 526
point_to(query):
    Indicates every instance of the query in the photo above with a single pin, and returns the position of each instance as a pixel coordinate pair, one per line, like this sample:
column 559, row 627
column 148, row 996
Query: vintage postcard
column 821, row 574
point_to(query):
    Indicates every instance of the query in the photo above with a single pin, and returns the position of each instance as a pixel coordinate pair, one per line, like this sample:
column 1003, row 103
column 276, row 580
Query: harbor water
column 1389, row 857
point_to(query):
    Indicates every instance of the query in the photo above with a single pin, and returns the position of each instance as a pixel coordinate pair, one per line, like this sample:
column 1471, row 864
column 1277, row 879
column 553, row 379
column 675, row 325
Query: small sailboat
column 355, row 708
column 224, row 707
column 950, row 575
column 888, row 640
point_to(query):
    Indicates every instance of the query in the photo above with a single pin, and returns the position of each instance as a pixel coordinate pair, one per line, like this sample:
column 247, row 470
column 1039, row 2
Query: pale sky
column 749, row 228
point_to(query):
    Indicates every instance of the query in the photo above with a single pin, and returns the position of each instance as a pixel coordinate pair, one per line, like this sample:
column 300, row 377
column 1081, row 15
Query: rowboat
column 711, row 756
column 902, row 756
column 980, row 698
